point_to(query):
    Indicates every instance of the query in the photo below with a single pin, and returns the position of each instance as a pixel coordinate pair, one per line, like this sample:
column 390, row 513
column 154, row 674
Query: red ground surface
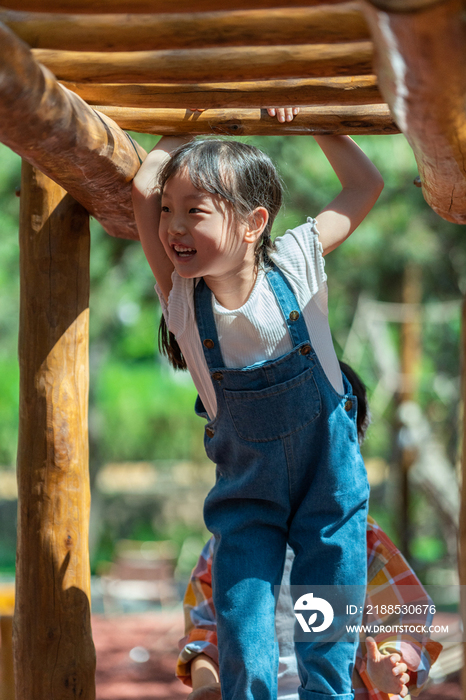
column 450, row 690
column 120, row 678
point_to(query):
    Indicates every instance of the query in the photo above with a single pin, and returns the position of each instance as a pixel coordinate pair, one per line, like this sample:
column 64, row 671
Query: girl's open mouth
column 183, row 251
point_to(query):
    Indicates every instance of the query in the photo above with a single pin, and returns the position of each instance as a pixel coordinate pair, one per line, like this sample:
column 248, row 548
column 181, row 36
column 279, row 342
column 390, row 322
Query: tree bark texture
column 56, row 131
column 290, row 25
column 349, row 119
column 152, row 6
column 420, row 60
column 54, row 652
column 357, row 90
column 210, row 65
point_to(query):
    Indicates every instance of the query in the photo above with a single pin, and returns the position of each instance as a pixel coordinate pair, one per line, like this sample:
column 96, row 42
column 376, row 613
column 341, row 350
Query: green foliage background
column 142, row 410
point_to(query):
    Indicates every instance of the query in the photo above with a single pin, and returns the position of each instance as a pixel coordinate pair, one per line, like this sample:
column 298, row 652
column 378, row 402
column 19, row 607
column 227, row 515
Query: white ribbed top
column 257, row 330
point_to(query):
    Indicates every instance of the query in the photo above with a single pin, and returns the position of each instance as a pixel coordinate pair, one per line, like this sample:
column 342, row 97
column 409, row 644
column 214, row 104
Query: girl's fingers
column 399, row 669
column 395, row 658
column 372, row 650
column 283, row 114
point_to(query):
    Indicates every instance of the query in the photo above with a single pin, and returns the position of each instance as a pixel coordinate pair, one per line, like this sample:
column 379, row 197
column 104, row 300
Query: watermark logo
column 308, row 603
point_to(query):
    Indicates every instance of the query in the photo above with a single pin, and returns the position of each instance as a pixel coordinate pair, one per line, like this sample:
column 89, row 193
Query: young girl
column 250, row 321
column 393, row 665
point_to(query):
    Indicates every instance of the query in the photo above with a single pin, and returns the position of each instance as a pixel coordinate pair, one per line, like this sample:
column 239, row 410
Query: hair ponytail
column 169, row 347
column 363, row 416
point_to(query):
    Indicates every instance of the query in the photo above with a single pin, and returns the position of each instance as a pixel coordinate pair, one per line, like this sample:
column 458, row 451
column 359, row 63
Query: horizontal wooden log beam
column 93, row 7
column 370, row 119
column 360, row 89
column 328, row 24
column 57, row 132
column 420, row 61
column 210, row 65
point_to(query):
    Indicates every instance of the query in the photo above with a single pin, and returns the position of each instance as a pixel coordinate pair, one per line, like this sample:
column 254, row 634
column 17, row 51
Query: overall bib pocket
column 276, row 411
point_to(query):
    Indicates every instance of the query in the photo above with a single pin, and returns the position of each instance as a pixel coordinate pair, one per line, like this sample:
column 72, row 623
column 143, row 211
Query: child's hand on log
column 283, row 114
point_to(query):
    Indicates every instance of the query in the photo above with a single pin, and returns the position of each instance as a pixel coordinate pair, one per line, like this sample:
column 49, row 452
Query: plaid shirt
column 391, row 581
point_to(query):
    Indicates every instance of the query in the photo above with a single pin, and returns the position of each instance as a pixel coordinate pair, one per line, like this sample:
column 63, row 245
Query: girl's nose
column 176, row 226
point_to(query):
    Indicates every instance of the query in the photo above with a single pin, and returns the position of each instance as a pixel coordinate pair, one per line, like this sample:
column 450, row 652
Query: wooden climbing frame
column 73, row 75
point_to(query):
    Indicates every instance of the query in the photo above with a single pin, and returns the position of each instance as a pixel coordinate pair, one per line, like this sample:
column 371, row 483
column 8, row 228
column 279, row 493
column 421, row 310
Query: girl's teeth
column 184, row 252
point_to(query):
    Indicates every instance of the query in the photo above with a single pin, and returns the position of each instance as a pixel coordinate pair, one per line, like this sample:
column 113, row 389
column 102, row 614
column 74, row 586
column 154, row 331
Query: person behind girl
column 250, row 321
column 387, row 664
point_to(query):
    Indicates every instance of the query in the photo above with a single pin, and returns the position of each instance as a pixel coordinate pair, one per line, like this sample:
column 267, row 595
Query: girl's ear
column 257, row 221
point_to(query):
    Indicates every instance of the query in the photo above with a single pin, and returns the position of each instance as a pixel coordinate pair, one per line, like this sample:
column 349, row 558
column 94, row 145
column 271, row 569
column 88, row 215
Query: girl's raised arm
column 361, row 186
column 146, row 203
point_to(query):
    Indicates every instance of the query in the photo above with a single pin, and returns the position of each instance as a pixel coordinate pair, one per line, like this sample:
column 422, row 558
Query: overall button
column 218, row 376
column 305, row 350
column 294, row 315
column 348, row 405
column 210, row 432
column 209, row 343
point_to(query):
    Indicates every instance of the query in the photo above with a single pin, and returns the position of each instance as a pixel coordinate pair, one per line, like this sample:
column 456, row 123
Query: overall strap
column 288, row 304
column 206, row 325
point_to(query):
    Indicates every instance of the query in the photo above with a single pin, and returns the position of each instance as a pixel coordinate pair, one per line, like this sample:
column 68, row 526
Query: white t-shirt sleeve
column 163, row 302
column 299, row 254
column 180, row 306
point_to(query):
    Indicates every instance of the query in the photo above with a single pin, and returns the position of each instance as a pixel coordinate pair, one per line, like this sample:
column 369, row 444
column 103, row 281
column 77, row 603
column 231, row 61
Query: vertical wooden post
column 7, row 682
column 462, row 527
column 53, row 648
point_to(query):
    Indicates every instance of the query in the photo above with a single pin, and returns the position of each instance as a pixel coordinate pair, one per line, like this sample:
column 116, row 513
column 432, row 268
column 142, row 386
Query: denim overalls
column 288, row 469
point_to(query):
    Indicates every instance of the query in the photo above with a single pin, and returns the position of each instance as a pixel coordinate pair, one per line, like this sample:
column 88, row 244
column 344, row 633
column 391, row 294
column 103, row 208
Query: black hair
column 360, row 391
column 244, row 177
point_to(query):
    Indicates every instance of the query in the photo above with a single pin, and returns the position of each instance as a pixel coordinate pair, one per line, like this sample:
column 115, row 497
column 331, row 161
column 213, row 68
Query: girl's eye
column 194, row 210
column 165, row 209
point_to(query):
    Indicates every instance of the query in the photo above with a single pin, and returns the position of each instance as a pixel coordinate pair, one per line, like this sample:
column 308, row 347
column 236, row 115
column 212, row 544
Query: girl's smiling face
column 199, row 231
